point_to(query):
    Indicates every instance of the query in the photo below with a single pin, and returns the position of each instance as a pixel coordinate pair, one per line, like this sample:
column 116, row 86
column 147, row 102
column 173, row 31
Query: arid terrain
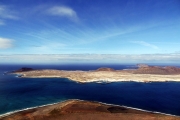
column 85, row 110
column 142, row 74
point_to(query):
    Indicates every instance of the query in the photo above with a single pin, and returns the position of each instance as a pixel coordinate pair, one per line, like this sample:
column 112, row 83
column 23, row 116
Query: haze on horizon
column 120, row 31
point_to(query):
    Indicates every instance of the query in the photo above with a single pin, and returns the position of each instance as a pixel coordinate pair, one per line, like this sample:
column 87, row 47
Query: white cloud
column 63, row 11
column 143, row 43
column 6, row 13
column 2, row 22
column 46, row 48
column 6, row 43
column 92, row 58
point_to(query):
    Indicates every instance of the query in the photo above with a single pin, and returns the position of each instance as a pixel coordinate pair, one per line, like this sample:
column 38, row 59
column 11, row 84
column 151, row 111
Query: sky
column 141, row 30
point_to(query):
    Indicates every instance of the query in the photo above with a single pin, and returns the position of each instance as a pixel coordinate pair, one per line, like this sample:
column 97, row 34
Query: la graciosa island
column 144, row 73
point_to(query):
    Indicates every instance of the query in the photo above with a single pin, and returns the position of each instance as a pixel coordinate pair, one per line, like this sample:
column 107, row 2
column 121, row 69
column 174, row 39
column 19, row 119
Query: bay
column 20, row 93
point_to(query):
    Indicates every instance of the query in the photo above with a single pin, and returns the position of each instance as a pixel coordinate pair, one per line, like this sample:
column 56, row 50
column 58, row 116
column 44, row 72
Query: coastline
column 88, row 76
column 69, row 101
column 21, row 110
column 99, row 76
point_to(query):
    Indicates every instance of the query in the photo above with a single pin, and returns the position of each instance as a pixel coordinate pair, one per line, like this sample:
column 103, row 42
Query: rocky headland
column 24, row 69
column 86, row 110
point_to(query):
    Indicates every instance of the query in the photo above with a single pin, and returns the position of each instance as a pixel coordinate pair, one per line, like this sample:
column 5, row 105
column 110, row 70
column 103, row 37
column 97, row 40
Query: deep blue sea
column 20, row 93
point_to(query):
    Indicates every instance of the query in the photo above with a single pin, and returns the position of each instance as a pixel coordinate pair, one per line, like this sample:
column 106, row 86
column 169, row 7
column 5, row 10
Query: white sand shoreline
column 142, row 74
column 165, row 78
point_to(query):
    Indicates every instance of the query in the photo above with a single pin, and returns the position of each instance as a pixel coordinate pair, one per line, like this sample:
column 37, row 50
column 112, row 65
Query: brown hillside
column 105, row 69
column 85, row 110
column 157, row 70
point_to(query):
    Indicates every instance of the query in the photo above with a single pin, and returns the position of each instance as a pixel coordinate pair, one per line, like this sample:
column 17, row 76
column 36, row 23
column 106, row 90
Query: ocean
column 20, row 93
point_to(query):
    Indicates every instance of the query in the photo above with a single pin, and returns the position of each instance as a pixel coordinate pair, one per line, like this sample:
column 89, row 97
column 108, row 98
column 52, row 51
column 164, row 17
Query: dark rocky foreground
column 85, row 110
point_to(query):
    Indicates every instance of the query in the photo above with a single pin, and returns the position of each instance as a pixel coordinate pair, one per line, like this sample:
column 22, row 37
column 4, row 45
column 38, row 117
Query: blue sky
column 121, row 27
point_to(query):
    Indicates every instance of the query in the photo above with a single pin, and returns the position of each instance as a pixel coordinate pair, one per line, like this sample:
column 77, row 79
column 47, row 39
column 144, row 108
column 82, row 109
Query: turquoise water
column 19, row 93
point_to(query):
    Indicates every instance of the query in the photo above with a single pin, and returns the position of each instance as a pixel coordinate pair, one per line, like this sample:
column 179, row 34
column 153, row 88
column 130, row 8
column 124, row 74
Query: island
column 92, row 110
column 143, row 73
column 86, row 110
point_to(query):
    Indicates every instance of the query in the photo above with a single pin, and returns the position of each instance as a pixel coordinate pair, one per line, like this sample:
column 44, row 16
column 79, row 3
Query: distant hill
column 142, row 65
column 143, row 69
column 24, row 69
column 105, row 69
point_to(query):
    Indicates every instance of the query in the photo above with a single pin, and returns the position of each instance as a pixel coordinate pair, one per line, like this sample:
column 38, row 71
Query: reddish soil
column 169, row 70
column 85, row 110
column 105, row 69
